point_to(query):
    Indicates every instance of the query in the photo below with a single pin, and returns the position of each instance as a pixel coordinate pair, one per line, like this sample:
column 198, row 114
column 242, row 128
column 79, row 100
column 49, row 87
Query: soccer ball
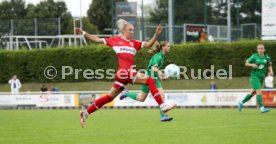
column 172, row 70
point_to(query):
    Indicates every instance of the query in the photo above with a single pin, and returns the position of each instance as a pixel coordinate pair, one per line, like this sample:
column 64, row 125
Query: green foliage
column 86, row 25
column 30, row 65
column 51, row 9
column 220, row 54
column 45, row 14
column 189, row 11
column 100, row 14
column 13, row 9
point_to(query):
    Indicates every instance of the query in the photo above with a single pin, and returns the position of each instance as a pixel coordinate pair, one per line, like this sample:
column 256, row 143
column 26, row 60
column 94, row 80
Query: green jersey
column 157, row 61
column 262, row 62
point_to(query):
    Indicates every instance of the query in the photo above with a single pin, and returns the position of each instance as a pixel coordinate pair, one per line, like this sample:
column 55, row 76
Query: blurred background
column 183, row 20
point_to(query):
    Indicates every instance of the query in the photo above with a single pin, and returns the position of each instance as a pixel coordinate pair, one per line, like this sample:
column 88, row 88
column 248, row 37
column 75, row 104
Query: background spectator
column 15, row 85
column 43, row 88
column 54, row 89
column 213, row 86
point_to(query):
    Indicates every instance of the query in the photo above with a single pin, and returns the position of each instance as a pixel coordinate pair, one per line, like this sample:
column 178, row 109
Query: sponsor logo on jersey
column 124, row 49
column 261, row 66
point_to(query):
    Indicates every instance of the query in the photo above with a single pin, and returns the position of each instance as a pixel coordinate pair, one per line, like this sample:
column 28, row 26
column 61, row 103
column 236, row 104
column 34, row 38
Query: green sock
column 260, row 101
column 132, row 95
column 247, row 98
column 161, row 113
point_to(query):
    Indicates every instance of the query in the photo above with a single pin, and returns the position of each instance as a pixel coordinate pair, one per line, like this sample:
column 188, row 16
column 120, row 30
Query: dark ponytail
column 157, row 47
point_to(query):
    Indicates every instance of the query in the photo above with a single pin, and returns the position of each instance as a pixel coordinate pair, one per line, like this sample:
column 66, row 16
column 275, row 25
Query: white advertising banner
column 24, row 99
column 56, row 100
column 149, row 101
column 193, row 99
column 268, row 19
column 5, row 100
column 181, row 98
column 208, row 98
column 39, row 100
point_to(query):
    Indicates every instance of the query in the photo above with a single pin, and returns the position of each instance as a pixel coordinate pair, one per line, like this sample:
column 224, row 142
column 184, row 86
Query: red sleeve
column 137, row 44
column 110, row 41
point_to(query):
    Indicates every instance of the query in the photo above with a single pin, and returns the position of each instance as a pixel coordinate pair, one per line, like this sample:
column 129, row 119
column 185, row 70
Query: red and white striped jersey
column 125, row 50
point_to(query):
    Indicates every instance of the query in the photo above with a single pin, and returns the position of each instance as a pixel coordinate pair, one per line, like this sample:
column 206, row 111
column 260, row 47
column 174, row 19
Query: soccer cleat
column 165, row 108
column 123, row 95
column 166, row 118
column 83, row 117
column 264, row 110
column 240, row 106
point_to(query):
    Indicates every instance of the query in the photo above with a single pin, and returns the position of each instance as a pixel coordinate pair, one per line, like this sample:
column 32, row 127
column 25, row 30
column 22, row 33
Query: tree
column 14, row 9
column 51, row 9
column 86, row 25
column 100, row 14
column 89, row 27
column 249, row 11
column 189, row 11
column 185, row 11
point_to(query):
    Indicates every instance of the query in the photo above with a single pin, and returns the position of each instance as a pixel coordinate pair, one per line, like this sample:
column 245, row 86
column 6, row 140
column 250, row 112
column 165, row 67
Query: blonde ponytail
column 121, row 24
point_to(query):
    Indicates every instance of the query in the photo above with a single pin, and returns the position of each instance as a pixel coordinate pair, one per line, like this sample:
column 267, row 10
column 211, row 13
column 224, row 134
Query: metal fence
column 11, row 29
column 249, row 31
column 217, row 32
column 30, row 27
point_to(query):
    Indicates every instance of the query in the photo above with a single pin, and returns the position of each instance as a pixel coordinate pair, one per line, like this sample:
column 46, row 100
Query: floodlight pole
column 238, row 18
column 142, row 22
column 170, row 19
column 228, row 21
column 205, row 13
column 113, row 15
column 81, row 20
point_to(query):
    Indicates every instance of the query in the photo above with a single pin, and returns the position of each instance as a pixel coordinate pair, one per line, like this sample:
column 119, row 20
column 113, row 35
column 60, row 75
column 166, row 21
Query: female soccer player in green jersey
column 153, row 70
column 259, row 62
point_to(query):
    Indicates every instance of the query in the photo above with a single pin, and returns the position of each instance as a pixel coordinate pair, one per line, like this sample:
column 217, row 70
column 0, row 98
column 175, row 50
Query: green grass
column 235, row 83
column 138, row 126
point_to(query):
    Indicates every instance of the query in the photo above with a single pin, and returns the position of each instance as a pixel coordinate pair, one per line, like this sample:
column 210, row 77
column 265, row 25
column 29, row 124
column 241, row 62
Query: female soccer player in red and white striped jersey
column 125, row 48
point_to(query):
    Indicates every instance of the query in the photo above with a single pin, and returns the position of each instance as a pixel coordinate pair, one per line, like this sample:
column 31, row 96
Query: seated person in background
column 43, row 88
column 54, row 89
column 213, row 86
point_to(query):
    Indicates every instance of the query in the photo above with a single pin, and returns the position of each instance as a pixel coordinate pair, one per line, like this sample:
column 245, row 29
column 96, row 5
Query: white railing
column 183, row 98
column 12, row 42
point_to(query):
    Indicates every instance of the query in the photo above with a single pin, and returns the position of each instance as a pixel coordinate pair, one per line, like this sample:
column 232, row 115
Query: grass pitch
column 138, row 126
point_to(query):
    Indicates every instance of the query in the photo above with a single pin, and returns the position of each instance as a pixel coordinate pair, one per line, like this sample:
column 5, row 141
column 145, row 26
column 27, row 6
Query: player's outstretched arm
column 89, row 36
column 250, row 65
column 161, row 74
column 158, row 31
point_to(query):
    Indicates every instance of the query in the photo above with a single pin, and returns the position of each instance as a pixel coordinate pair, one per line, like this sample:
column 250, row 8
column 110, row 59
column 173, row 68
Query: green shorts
column 256, row 82
column 145, row 88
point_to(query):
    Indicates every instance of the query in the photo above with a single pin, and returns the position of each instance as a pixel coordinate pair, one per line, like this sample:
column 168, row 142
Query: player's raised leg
column 144, row 79
column 245, row 99
column 98, row 104
column 142, row 96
